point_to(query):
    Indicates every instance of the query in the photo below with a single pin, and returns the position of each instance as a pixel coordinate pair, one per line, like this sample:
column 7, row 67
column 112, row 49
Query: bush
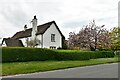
column 105, row 49
column 101, row 54
column 26, row 54
column 72, row 55
column 37, row 54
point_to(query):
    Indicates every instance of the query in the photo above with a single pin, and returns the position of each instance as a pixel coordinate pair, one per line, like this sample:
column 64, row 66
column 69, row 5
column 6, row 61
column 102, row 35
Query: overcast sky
column 70, row 15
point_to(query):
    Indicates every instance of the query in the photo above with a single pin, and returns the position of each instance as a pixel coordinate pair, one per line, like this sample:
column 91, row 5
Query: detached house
column 47, row 35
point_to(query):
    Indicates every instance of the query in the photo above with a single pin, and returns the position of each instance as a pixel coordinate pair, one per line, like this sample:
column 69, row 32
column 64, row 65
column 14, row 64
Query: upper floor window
column 52, row 37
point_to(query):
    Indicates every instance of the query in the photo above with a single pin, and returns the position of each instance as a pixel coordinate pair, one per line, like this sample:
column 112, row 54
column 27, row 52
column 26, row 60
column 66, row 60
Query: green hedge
column 12, row 54
column 26, row 54
column 101, row 54
column 73, row 55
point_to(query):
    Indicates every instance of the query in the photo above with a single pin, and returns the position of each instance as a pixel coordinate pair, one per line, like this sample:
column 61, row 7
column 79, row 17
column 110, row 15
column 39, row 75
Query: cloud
column 70, row 15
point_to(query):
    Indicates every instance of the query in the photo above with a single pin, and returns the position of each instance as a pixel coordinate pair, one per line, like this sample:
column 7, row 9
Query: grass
column 72, row 50
column 40, row 66
column 0, row 69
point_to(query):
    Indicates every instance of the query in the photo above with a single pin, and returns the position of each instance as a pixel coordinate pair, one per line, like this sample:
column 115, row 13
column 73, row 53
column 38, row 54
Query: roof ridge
column 46, row 23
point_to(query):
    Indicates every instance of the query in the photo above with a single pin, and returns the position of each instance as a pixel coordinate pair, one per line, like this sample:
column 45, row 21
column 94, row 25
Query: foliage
column 26, row 54
column 38, row 54
column 115, row 38
column 91, row 37
column 33, row 43
column 64, row 43
column 72, row 55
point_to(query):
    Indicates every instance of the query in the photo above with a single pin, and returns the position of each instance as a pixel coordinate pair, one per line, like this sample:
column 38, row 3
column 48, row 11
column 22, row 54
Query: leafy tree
column 115, row 38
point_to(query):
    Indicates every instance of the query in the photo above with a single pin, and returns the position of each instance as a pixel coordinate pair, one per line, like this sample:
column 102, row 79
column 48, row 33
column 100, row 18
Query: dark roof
column 12, row 42
column 41, row 30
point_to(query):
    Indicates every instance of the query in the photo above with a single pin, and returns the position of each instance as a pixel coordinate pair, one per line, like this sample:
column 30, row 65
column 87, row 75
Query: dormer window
column 52, row 37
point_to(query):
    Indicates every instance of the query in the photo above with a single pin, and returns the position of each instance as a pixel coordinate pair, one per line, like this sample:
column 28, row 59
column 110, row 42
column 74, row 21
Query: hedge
column 16, row 54
column 73, row 55
column 101, row 54
column 26, row 54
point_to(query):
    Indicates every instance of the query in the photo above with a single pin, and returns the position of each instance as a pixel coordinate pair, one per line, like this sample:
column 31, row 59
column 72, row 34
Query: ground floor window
column 52, row 47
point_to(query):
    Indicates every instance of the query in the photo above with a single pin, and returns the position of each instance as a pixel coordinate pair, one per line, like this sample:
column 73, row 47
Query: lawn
column 0, row 69
column 40, row 66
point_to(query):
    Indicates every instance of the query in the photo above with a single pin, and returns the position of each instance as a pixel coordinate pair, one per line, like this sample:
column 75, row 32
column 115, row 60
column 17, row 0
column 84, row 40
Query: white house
column 48, row 34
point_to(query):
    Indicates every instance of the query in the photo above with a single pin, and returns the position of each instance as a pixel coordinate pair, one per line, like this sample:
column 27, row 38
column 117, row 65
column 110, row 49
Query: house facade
column 47, row 35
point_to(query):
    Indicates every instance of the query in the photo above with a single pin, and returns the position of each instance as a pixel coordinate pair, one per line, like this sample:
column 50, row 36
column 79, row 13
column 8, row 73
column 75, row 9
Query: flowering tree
column 90, row 37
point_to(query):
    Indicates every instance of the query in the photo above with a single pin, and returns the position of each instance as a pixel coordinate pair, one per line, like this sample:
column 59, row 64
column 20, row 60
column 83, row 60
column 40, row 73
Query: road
column 96, row 71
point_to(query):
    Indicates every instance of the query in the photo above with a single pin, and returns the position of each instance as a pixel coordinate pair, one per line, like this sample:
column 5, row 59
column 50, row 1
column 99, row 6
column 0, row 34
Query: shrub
column 101, row 54
column 26, row 54
column 37, row 54
column 72, row 55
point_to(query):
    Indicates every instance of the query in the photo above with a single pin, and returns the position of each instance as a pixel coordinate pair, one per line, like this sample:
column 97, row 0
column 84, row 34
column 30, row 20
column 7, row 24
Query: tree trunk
column 95, row 42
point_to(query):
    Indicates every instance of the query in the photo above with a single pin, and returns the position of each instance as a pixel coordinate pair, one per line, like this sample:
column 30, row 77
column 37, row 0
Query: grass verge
column 40, row 66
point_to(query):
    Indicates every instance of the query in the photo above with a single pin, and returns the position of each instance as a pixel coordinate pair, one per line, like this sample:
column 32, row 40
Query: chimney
column 34, row 27
column 25, row 27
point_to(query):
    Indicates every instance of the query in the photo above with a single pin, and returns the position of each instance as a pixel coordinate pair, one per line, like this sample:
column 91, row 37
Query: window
column 52, row 47
column 52, row 37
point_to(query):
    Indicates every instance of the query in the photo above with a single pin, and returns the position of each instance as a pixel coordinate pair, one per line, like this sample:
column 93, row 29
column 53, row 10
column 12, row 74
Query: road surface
column 96, row 71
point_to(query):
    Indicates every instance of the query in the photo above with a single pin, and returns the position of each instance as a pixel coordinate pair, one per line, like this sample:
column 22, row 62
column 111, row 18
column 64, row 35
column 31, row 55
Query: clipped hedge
column 73, row 55
column 101, row 54
column 26, row 54
column 13, row 54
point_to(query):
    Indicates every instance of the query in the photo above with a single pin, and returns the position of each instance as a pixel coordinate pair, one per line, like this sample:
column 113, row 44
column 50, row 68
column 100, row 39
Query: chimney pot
column 25, row 27
column 35, row 17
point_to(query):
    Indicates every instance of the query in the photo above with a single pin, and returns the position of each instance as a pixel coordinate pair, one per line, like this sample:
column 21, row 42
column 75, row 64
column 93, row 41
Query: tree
column 115, row 38
column 71, row 40
column 33, row 43
column 64, row 43
column 90, row 37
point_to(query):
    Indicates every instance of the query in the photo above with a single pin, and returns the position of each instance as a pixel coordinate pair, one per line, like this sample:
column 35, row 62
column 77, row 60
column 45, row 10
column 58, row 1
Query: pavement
column 96, row 71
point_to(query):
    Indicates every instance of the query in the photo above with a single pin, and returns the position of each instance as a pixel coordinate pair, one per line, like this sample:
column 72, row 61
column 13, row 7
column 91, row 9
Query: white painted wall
column 24, row 41
column 47, row 37
column 29, row 38
column 39, row 37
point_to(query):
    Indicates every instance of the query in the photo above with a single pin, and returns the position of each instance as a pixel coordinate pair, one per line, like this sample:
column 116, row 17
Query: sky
column 70, row 15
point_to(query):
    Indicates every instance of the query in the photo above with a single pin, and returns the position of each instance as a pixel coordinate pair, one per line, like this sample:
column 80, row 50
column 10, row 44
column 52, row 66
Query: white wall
column 39, row 37
column 24, row 41
column 47, row 37
column 29, row 38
